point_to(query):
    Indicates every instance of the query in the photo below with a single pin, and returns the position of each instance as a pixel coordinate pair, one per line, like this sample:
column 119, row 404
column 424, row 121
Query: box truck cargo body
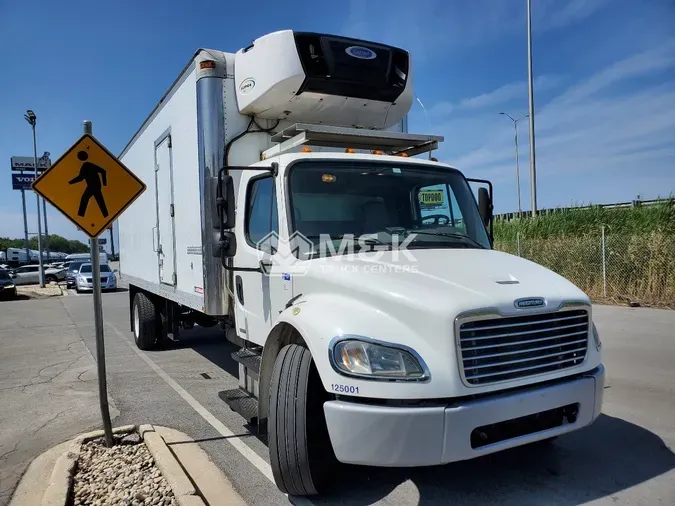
column 288, row 203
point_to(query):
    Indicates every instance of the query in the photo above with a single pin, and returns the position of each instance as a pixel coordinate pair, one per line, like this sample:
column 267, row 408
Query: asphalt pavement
column 626, row 457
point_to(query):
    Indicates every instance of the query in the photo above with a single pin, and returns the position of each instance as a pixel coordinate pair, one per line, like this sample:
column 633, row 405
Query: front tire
column 301, row 454
column 51, row 279
column 145, row 322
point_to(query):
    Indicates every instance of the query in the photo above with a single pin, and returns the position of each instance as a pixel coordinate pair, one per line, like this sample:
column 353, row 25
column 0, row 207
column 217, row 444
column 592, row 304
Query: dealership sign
column 22, row 181
column 28, row 162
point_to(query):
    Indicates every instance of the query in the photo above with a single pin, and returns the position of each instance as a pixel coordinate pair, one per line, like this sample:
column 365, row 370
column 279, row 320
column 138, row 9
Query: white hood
column 448, row 280
column 416, row 303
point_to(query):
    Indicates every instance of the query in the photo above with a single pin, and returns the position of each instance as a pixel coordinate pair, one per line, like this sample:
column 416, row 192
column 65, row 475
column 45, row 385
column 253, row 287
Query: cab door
column 259, row 297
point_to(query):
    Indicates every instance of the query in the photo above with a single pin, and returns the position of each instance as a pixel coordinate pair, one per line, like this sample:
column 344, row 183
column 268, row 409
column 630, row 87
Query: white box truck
column 288, row 204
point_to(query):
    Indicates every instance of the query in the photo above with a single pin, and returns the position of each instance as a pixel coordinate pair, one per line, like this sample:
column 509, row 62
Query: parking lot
column 48, row 393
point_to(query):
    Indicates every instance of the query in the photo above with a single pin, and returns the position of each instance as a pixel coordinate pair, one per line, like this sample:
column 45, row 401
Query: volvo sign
column 22, row 181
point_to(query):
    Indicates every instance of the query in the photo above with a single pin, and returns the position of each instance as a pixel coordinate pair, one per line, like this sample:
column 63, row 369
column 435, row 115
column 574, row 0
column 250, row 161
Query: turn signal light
column 377, row 152
column 350, row 150
column 404, row 155
column 305, row 149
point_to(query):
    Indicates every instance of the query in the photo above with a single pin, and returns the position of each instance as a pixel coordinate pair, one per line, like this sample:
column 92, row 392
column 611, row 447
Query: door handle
column 240, row 289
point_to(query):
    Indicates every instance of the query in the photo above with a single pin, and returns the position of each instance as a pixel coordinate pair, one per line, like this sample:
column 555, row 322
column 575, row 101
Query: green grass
column 639, row 250
column 578, row 222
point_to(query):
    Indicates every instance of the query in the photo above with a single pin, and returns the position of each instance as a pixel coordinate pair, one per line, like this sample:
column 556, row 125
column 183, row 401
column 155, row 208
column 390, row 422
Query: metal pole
column 37, row 198
column 98, row 324
column 44, row 210
column 604, row 265
column 533, row 164
column 515, row 128
column 25, row 224
column 112, row 241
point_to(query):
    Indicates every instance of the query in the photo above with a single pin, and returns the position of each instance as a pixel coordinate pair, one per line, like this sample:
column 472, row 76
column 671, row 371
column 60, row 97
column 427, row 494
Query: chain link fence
column 607, row 266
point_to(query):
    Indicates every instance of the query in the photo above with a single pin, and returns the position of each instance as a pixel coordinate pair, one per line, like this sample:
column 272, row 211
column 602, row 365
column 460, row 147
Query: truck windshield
column 432, row 207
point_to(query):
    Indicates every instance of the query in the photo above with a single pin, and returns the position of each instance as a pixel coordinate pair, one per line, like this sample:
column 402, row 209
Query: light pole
column 45, row 157
column 515, row 139
column 31, row 118
column 530, row 88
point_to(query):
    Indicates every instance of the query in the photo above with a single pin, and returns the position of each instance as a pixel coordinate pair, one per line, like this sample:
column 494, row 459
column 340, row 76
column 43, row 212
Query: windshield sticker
column 431, row 198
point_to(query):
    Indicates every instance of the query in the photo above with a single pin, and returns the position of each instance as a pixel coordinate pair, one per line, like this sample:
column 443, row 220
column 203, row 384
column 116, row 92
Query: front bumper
column 392, row 436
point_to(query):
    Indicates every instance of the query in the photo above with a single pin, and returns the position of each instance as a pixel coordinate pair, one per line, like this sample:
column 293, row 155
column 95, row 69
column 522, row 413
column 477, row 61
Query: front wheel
column 301, row 454
column 51, row 279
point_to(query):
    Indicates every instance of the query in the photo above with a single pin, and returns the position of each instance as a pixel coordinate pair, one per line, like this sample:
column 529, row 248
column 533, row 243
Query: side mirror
column 228, row 245
column 484, row 206
column 115, row 271
column 227, row 207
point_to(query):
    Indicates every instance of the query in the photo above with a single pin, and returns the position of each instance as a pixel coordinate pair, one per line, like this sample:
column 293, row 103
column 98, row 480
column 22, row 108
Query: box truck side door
column 166, row 251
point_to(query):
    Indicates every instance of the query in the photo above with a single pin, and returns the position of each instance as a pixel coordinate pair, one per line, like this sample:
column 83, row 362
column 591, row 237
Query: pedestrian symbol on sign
column 89, row 172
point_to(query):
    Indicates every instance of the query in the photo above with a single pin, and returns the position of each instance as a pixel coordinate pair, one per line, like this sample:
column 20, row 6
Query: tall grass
column 639, row 267
column 627, row 221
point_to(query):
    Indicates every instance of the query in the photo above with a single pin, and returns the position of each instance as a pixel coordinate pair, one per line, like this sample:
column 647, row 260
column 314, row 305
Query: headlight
column 9, row 286
column 81, row 279
column 366, row 359
column 596, row 338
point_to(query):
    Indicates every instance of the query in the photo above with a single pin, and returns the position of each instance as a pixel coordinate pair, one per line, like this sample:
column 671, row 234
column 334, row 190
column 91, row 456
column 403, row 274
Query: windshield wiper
column 448, row 234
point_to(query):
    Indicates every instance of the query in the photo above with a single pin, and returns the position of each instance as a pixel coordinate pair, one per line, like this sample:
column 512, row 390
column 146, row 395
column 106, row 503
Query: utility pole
column 31, row 118
column 25, row 223
column 515, row 128
column 112, row 241
column 533, row 163
column 44, row 211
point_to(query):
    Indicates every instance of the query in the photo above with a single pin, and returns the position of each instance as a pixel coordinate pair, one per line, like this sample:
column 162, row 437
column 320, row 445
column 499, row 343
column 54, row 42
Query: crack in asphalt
column 2, row 456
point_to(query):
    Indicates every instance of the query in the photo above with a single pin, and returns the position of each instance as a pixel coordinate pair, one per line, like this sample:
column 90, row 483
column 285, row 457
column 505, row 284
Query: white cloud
column 501, row 95
column 427, row 27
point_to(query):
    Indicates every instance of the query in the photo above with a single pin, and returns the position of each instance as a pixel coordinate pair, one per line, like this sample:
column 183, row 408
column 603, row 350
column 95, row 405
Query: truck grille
column 500, row 349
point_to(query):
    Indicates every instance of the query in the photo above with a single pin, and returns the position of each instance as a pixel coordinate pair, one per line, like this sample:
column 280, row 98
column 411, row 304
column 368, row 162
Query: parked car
column 7, row 286
column 83, row 278
column 72, row 270
column 30, row 275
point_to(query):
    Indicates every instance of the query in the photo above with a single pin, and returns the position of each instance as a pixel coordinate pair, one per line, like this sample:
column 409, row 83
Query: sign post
column 91, row 188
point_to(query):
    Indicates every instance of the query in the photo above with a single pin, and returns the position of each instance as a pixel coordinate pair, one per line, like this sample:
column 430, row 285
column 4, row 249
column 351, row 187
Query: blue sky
column 604, row 82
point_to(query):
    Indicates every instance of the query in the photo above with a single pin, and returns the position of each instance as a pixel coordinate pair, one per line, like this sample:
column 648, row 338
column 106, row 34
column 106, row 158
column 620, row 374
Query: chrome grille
column 506, row 348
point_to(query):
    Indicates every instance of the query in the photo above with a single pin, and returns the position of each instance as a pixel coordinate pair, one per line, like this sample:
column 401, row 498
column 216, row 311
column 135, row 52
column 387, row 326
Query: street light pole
column 31, row 118
column 515, row 138
column 533, row 163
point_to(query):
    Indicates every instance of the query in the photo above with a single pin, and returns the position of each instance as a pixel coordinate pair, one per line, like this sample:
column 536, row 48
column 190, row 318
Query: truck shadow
column 212, row 345
column 609, row 456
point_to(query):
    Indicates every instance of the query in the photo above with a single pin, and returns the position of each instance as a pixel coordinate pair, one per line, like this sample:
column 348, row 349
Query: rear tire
column 51, row 279
column 301, row 454
column 145, row 322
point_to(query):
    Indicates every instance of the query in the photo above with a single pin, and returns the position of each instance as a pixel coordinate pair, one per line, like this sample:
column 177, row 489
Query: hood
column 449, row 280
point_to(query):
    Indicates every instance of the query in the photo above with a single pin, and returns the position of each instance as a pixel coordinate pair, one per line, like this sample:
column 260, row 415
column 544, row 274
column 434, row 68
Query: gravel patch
column 122, row 475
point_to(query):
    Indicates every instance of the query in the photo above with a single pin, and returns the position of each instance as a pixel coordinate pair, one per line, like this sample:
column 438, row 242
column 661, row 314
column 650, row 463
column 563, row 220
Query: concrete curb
column 193, row 478
column 61, row 481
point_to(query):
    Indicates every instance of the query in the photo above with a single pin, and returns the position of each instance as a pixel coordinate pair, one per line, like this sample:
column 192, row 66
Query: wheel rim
column 137, row 322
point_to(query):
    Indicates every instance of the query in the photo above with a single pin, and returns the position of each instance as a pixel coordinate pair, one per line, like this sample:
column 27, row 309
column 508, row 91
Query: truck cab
column 376, row 324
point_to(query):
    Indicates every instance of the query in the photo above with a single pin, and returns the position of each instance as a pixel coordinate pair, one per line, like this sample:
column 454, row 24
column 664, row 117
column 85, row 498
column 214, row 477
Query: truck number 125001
column 346, row 389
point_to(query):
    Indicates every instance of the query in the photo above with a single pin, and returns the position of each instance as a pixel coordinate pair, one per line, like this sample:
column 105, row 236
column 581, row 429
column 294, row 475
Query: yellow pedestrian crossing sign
column 89, row 185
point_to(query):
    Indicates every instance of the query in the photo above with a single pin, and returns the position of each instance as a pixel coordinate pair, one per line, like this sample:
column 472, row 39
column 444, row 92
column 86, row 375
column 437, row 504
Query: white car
column 83, row 279
column 30, row 275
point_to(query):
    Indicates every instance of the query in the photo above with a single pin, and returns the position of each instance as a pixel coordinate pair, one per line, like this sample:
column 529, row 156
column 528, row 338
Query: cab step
column 250, row 359
column 242, row 402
